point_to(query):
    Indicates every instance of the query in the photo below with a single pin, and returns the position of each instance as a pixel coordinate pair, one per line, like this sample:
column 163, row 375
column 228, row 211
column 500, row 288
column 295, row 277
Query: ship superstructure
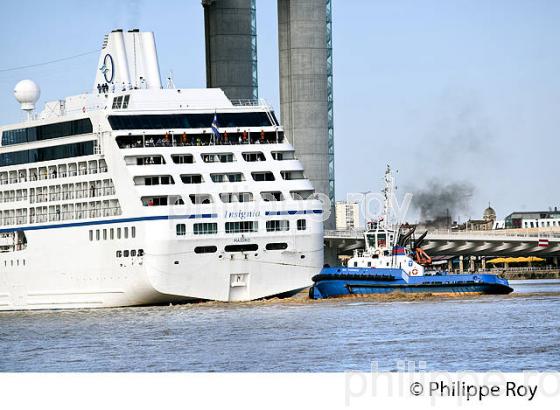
column 138, row 194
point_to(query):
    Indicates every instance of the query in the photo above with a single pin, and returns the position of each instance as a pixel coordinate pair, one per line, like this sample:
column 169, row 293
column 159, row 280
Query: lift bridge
column 467, row 243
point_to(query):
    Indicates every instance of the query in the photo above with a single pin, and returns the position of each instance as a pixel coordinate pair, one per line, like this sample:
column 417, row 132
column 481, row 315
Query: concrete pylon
column 304, row 87
column 231, row 47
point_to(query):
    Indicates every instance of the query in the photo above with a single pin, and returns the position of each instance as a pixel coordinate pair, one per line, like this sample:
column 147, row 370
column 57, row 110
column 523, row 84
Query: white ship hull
column 63, row 269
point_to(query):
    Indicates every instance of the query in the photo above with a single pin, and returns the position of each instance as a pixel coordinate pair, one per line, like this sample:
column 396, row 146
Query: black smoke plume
column 438, row 203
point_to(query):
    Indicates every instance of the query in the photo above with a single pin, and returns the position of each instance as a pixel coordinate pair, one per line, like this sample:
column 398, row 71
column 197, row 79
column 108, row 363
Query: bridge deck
column 478, row 243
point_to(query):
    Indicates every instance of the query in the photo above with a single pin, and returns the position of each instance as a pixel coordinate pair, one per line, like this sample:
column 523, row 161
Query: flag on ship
column 543, row 243
column 215, row 126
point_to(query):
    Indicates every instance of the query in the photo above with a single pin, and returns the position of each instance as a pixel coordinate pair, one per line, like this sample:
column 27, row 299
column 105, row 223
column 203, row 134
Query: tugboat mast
column 388, row 192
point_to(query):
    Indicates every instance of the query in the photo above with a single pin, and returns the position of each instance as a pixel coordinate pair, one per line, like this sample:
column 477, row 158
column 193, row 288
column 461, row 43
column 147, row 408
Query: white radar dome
column 27, row 92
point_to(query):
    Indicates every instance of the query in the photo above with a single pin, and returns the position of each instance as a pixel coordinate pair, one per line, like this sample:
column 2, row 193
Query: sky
column 455, row 93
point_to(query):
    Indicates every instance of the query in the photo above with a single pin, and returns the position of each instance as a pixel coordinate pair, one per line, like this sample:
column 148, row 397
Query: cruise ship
column 139, row 194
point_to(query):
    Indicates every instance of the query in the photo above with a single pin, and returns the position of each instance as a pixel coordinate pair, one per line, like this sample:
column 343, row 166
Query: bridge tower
column 306, row 78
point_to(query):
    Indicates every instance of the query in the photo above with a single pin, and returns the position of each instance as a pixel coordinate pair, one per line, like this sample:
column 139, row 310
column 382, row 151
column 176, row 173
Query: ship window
column 291, row 175
column 91, row 235
column 205, row 228
column 253, row 156
column 140, row 252
column 126, row 253
column 104, row 234
column 199, row 199
column 283, row 155
column 126, row 100
column 263, row 176
column 232, row 177
column 126, row 232
column 112, row 233
column 172, row 121
column 154, row 180
column 182, row 159
column 381, row 240
column 205, row 249
column 97, row 234
column 220, row 157
column 276, row 246
column 45, row 132
column 302, row 195
column 119, row 254
column 301, row 224
column 230, row 197
column 145, row 160
column 117, row 101
column 277, row 225
column 133, row 252
column 248, row 247
column 243, row 226
column 192, row 179
column 118, row 233
column 133, row 232
column 355, row 264
column 162, row 200
column 181, row 229
column 47, row 154
column 272, row 196
column 369, row 264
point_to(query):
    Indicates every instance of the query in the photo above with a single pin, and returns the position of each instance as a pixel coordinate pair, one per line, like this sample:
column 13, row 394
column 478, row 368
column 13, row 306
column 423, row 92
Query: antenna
column 388, row 193
column 27, row 92
column 170, row 82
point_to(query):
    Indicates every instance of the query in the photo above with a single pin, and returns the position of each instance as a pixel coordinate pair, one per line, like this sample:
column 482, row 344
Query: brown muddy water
column 510, row 333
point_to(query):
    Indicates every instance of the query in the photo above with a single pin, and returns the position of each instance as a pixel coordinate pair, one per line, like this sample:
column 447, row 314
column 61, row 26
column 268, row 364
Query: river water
column 517, row 332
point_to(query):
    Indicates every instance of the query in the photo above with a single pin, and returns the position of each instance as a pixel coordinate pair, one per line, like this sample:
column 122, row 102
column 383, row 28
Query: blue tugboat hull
column 342, row 281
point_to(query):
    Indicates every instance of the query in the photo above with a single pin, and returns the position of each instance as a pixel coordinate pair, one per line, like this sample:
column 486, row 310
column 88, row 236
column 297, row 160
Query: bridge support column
column 483, row 263
column 472, row 264
column 461, row 269
column 331, row 254
column 450, row 265
column 555, row 261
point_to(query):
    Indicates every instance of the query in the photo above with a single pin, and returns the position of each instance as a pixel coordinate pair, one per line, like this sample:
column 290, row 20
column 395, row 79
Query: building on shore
column 485, row 224
column 347, row 215
column 538, row 219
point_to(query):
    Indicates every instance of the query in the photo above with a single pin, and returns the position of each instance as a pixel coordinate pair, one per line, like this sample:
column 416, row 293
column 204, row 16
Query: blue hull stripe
column 142, row 218
column 107, row 222
column 314, row 211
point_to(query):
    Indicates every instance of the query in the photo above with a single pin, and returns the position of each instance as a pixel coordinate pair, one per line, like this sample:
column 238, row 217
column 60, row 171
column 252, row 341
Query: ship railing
column 248, row 102
column 498, row 232
column 523, row 269
column 358, row 233
column 346, row 233
column 174, row 139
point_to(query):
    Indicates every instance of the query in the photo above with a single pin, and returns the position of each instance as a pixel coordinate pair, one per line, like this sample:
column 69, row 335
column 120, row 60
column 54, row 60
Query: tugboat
column 393, row 262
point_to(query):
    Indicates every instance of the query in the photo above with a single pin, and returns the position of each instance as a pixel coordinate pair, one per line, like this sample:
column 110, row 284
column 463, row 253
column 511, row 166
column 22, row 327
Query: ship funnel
column 128, row 60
